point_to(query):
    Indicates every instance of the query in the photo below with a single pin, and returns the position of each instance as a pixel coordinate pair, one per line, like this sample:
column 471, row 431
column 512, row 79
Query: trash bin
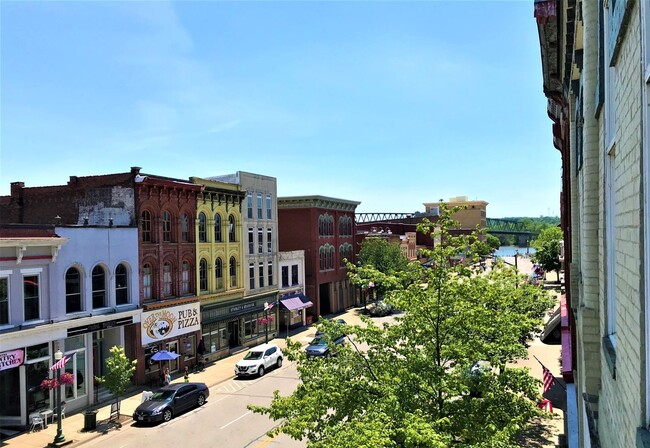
column 90, row 420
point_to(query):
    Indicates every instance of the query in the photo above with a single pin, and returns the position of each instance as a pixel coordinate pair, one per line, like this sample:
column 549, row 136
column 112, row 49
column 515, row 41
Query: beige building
column 596, row 74
column 471, row 216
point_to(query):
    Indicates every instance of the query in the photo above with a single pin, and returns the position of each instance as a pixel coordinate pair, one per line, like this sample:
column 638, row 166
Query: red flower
column 49, row 383
column 67, row 378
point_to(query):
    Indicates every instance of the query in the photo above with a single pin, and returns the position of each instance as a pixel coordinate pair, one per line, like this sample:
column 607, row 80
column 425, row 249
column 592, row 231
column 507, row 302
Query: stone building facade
column 596, row 72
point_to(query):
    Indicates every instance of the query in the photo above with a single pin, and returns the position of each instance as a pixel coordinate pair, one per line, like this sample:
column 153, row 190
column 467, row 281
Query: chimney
column 73, row 180
column 135, row 170
column 17, row 191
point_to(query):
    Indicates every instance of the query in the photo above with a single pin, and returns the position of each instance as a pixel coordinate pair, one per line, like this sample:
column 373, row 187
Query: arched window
column 321, row 225
column 233, row 272
column 231, row 229
column 185, row 228
column 185, row 278
column 167, row 226
column 322, row 257
column 330, row 225
column 218, row 274
column 147, row 281
column 203, row 275
column 99, row 287
column 121, row 285
column 146, row 226
column 203, row 237
column 72, row 291
column 217, row 228
column 167, row 279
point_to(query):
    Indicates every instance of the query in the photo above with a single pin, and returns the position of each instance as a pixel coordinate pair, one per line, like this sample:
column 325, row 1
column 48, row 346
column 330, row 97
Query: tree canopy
column 547, row 249
column 119, row 370
column 414, row 383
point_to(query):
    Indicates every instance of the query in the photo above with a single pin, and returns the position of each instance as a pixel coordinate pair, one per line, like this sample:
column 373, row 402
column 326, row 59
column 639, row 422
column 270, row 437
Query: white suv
column 259, row 359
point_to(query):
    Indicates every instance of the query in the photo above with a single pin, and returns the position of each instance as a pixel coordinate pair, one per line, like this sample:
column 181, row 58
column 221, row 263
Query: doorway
column 324, row 299
column 173, row 348
column 233, row 334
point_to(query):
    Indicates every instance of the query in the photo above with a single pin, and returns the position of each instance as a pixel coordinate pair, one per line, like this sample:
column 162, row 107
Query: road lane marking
column 238, row 418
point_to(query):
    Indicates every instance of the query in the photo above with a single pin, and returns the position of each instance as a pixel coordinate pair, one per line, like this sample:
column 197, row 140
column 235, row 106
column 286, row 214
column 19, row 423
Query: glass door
column 173, row 348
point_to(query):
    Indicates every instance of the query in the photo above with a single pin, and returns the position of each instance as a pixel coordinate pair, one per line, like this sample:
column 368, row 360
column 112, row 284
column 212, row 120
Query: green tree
column 412, row 385
column 547, row 249
column 492, row 241
column 120, row 370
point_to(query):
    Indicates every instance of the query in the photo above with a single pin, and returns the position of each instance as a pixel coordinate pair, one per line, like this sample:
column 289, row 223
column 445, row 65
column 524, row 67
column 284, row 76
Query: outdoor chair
column 37, row 421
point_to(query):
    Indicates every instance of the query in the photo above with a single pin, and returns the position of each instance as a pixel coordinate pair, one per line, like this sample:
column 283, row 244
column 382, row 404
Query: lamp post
column 516, row 270
column 266, row 322
column 59, row 438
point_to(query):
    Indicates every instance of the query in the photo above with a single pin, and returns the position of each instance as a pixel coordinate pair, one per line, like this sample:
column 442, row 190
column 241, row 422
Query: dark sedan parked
column 171, row 400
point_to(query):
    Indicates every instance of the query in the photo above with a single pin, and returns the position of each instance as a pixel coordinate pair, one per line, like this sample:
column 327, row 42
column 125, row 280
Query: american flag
column 548, row 378
column 59, row 364
column 268, row 306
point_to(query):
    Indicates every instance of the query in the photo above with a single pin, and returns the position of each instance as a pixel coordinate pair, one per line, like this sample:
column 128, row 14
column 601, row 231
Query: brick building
column 324, row 228
column 596, row 75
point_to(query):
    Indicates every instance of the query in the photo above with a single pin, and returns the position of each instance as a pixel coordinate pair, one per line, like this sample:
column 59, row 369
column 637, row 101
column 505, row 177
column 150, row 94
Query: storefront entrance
column 173, row 364
column 233, row 333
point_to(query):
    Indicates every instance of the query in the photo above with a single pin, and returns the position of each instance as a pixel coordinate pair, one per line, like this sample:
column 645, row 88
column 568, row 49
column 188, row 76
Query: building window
column 345, row 226
column 260, row 240
column 261, row 272
column 326, row 225
column 185, row 228
column 146, row 226
column 251, row 275
column 269, row 273
column 203, row 275
column 233, row 272
column 121, row 285
column 218, row 274
column 185, row 278
column 250, row 205
column 269, row 209
column 147, row 273
column 72, row 291
column 285, row 276
column 4, row 300
column 31, row 297
column 167, row 227
column 269, row 240
column 251, row 241
column 167, row 279
column 231, row 229
column 217, row 228
column 345, row 253
column 203, row 236
column 294, row 275
column 259, row 205
column 322, row 258
column 99, row 287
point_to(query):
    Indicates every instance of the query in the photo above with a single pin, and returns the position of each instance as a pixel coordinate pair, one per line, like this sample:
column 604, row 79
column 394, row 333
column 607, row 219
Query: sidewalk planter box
column 90, row 420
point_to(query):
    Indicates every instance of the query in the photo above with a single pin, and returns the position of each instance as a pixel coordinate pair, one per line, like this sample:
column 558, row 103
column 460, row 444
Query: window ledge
column 610, row 356
column 642, row 438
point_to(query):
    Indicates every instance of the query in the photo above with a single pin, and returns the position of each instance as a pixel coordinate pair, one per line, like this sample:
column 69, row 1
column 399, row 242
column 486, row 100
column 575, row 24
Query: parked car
column 320, row 332
column 171, row 400
column 259, row 359
column 319, row 347
column 380, row 309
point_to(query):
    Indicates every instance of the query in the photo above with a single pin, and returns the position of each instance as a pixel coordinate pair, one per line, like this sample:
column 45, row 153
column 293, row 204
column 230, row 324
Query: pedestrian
column 186, row 377
column 167, row 378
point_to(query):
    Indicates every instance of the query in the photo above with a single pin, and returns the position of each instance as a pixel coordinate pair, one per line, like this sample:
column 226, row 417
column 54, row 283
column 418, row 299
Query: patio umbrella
column 164, row 355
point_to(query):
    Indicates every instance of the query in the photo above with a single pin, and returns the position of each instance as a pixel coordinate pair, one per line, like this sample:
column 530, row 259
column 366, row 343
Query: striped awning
column 295, row 303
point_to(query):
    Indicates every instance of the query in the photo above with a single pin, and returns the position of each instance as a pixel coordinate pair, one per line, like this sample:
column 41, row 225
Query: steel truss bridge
column 494, row 226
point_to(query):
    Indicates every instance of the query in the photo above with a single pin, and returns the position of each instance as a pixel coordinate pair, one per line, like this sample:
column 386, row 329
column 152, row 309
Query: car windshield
column 253, row 355
column 318, row 341
column 162, row 395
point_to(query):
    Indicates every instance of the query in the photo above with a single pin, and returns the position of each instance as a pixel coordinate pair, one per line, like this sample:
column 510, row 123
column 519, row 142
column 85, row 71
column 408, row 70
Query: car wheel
column 328, row 355
column 167, row 415
column 260, row 371
column 201, row 400
column 279, row 363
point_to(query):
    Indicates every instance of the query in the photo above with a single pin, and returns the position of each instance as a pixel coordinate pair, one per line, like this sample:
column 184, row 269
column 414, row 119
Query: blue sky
column 390, row 103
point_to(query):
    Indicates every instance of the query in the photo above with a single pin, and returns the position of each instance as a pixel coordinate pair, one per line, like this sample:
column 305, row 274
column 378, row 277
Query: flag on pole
column 59, row 364
column 548, row 378
column 268, row 306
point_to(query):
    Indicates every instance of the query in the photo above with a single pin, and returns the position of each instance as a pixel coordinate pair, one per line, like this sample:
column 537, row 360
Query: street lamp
column 516, row 270
column 59, row 438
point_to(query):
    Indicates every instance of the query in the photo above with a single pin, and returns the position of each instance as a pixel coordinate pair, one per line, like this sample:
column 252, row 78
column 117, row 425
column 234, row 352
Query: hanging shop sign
column 11, row 359
column 166, row 323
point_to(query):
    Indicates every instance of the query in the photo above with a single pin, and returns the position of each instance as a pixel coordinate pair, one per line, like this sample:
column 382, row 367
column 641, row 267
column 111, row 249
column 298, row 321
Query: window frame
column 232, row 270
column 121, row 290
column 36, row 273
column 168, row 279
column 232, row 223
column 203, row 275
column 218, row 237
column 251, row 241
column 99, row 287
column 147, row 281
column 249, row 198
column 145, row 221
column 260, row 267
column 166, row 226
column 269, row 240
column 218, row 274
column 295, row 275
column 260, row 240
column 251, row 275
column 269, row 207
column 203, row 228
column 185, row 228
column 186, row 274
column 259, row 206
column 69, row 295
column 284, row 270
column 4, row 299
column 269, row 273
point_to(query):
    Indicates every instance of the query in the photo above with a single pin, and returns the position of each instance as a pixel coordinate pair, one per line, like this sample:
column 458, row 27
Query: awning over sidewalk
column 296, row 302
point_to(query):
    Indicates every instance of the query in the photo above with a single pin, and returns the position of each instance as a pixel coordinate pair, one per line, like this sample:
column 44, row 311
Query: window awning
column 296, row 302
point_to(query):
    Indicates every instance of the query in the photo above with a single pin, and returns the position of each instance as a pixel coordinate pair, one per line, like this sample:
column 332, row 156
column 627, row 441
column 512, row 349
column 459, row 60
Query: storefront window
column 35, row 373
column 250, row 328
column 150, row 364
column 9, row 399
column 75, row 350
column 189, row 347
column 215, row 337
column 38, row 351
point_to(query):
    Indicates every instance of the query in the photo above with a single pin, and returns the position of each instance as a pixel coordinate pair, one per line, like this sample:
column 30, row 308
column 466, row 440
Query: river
column 509, row 251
